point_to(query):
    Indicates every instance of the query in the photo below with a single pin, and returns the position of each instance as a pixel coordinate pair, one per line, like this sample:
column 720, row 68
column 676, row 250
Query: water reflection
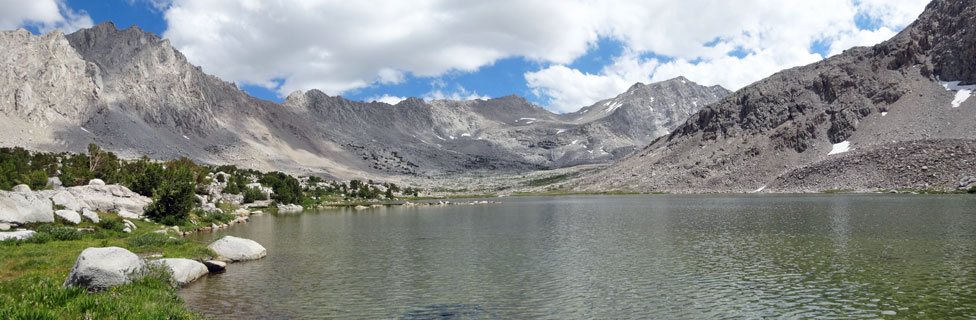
column 610, row 257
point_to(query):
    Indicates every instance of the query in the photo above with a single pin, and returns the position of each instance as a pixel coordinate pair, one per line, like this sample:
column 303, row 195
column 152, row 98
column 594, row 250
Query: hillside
column 904, row 92
column 133, row 93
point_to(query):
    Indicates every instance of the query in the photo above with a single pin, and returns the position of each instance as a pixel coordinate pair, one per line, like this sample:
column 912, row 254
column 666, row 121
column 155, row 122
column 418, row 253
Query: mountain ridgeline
column 895, row 115
column 133, row 93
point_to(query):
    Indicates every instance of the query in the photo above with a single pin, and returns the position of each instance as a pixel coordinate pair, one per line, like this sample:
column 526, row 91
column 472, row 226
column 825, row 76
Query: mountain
column 896, row 115
column 133, row 93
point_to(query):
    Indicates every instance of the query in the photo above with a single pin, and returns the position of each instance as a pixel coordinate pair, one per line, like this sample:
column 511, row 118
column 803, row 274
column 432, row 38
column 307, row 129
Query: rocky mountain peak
column 863, row 99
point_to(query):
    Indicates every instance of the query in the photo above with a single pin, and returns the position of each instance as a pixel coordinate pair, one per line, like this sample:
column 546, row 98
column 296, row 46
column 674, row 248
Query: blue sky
column 562, row 55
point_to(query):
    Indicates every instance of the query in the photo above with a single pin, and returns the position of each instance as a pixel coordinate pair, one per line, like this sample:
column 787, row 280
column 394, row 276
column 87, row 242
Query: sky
column 560, row 54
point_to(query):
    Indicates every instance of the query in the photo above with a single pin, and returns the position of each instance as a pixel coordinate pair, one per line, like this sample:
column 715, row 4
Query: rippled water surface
column 610, row 257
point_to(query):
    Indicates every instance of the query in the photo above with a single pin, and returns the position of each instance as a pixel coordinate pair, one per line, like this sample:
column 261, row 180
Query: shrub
column 37, row 180
column 972, row 190
column 173, row 200
column 153, row 239
column 216, row 218
column 220, row 178
column 254, row 194
column 111, row 224
column 65, row 234
column 149, row 180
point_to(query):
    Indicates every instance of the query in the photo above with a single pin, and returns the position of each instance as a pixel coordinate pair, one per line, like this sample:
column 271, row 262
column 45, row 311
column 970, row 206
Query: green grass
column 837, row 191
column 31, row 275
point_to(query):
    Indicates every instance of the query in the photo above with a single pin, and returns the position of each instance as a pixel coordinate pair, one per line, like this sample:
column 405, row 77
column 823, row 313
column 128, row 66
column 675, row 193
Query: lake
column 660, row 256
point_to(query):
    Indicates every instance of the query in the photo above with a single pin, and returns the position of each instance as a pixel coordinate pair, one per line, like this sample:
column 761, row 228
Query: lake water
column 714, row 256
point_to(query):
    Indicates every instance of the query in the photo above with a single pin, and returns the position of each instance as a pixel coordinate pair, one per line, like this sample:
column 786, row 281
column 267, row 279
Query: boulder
column 66, row 199
column 110, row 198
column 215, row 266
column 102, row 268
column 290, row 208
column 19, row 235
column 90, row 215
column 54, row 183
column 4, row 227
column 183, row 271
column 69, row 215
column 237, row 249
column 96, row 182
column 128, row 215
column 19, row 208
column 21, row 188
column 127, row 230
column 232, row 198
column 129, row 224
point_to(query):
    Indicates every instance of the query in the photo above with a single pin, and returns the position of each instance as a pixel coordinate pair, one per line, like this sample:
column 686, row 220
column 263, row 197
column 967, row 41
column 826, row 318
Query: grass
column 31, row 275
column 833, row 191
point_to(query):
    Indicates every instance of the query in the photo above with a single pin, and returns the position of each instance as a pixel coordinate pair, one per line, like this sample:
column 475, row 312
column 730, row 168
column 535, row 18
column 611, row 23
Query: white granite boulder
column 96, row 182
column 90, row 215
column 19, row 235
column 102, row 268
column 69, row 215
column 183, row 271
column 289, row 208
column 110, row 198
column 236, row 249
column 67, row 200
column 21, row 188
column 25, row 207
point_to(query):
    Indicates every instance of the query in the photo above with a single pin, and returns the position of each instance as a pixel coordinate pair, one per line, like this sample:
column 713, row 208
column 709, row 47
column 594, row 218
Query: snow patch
column 759, row 190
column 530, row 119
column 439, row 137
column 884, row 114
column 613, row 106
column 185, row 137
column 840, row 148
column 465, row 134
column 85, row 130
column 962, row 92
column 574, row 141
column 452, row 137
column 560, row 131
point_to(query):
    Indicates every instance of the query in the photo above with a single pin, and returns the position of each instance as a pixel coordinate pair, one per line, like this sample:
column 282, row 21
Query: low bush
column 153, row 239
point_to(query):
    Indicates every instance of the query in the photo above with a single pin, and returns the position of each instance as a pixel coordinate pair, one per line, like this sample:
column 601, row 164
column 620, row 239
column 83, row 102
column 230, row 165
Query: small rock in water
column 215, row 266
column 238, row 249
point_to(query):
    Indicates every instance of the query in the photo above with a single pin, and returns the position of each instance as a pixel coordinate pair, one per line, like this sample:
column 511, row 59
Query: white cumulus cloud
column 45, row 15
column 732, row 43
column 342, row 46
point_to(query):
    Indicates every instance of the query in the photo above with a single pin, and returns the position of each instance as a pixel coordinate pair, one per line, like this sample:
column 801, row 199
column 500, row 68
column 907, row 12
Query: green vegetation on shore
column 32, row 273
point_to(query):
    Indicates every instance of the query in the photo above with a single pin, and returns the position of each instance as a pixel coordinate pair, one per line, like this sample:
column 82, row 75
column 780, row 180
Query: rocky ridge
column 883, row 96
column 133, row 93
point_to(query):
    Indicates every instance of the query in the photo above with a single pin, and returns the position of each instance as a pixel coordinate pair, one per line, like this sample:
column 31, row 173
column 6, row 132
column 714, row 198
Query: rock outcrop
column 865, row 98
column 69, row 215
column 102, row 268
column 25, row 207
column 235, row 249
column 113, row 198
